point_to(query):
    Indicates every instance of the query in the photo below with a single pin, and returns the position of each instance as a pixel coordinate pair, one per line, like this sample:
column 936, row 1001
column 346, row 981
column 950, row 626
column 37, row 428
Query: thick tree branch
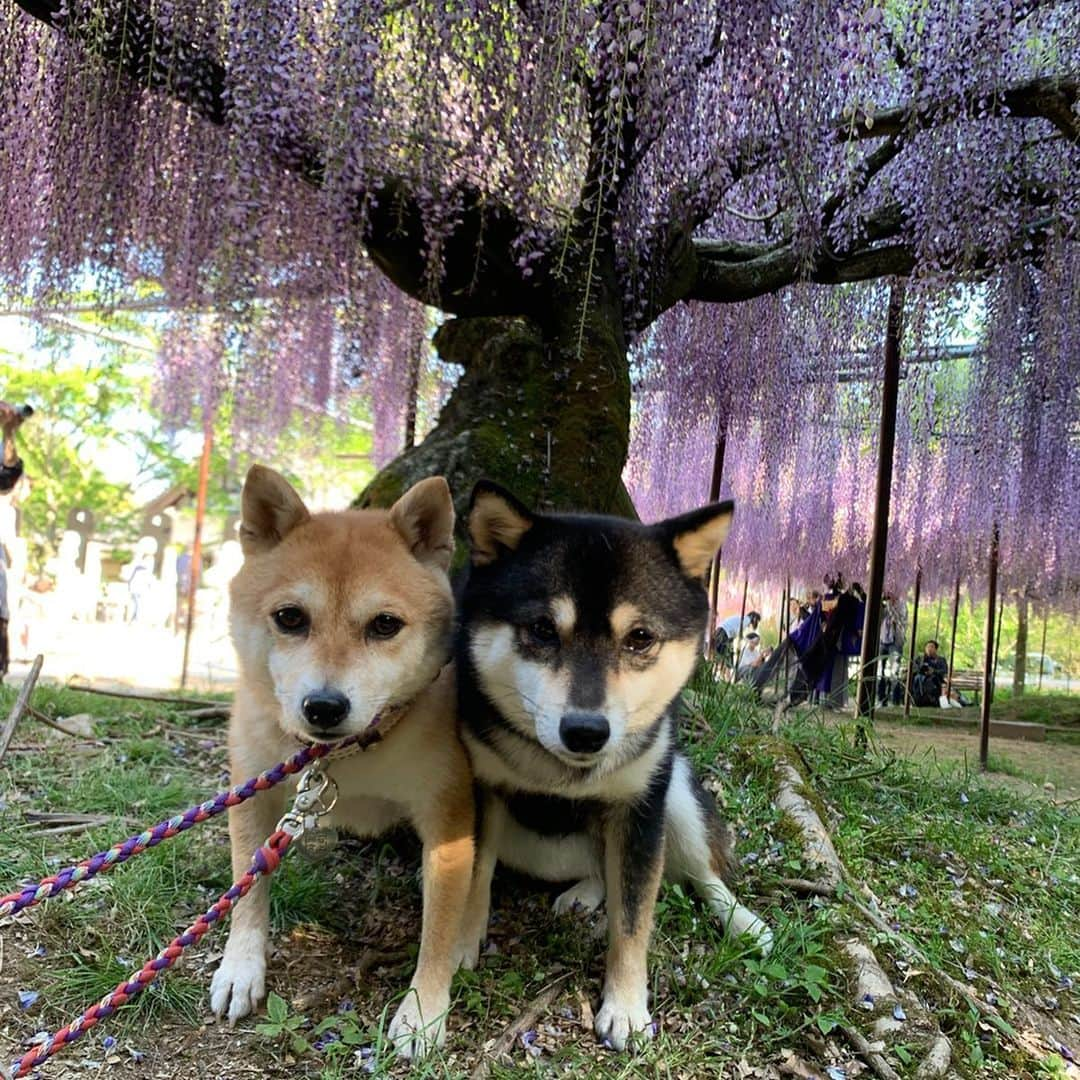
column 481, row 275
column 614, row 153
column 867, row 169
column 1046, row 97
column 696, row 269
column 731, row 272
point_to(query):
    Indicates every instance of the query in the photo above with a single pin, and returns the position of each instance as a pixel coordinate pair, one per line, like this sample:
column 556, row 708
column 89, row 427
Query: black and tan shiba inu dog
column 577, row 634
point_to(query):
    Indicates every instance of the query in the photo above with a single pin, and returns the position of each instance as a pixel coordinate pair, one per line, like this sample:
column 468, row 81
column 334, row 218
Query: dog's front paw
column 419, row 1027
column 586, row 896
column 619, row 1021
column 239, row 983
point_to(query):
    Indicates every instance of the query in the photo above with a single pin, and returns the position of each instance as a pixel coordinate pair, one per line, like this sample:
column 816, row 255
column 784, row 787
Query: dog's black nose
column 584, row 733
column 325, row 708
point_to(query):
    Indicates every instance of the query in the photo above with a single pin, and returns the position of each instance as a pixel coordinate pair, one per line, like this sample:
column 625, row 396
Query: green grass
column 985, row 882
column 1039, row 708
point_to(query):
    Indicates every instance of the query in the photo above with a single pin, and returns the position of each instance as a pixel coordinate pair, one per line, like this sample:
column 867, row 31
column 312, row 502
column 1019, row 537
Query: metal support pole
column 787, row 634
column 988, row 663
column 714, row 494
column 952, row 638
column 997, row 645
column 911, row 646
column 1042, row 653
column 871, row 639
column 196, row 548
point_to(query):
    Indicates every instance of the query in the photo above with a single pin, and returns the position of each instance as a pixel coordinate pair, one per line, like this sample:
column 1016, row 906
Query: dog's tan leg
column 239, row 983
column 446, row 831
column 633, row 866
column 474, row 924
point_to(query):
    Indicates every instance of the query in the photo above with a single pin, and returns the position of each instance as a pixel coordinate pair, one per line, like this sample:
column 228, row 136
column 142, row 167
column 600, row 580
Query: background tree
column 61, row 446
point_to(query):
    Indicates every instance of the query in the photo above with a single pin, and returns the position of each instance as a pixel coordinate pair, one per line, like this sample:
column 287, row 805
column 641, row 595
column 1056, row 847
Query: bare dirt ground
column 1024, row 767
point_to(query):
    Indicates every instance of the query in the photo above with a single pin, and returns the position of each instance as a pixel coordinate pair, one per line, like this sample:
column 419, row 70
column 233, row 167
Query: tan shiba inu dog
column 342, row 625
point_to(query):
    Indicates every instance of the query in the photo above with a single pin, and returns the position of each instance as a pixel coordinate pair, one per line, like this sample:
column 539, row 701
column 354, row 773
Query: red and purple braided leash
column 264, row 863
column 71, row 876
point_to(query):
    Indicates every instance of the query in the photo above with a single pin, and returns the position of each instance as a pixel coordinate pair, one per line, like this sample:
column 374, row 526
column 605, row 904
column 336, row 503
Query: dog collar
column 373, row 734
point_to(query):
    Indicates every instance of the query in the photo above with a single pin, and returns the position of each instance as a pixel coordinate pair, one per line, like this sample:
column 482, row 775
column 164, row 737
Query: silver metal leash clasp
column 316, row 796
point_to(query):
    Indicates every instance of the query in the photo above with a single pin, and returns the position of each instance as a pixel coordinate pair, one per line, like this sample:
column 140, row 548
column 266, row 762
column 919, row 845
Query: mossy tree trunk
column 543, row 406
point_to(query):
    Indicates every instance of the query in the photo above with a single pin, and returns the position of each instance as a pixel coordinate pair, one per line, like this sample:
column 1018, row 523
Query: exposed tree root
column 818, row 845
column 872, row 985
column 871, row 982
column 870, row 1053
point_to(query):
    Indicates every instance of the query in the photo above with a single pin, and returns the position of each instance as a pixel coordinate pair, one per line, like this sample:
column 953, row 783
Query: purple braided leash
column 119, row 853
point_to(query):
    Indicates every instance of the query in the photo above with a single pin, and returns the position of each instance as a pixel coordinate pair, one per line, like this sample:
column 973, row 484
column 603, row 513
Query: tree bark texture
column 542, row 407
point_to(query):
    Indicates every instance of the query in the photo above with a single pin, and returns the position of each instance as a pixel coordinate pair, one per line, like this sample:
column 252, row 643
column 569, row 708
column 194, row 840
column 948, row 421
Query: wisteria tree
column 553, row 177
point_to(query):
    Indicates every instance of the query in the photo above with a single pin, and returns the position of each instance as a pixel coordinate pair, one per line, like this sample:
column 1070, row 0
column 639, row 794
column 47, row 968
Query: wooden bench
column 966, row 681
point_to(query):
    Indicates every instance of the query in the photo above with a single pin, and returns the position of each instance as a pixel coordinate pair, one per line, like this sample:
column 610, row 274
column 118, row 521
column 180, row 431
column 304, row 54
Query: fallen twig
column 878, row 1065
column 807, row 888
column 48, row 721
column 532, row 1012
column 201, row 734
column 56, row 822
column 215, row 712
column 136, row 696
column 21, row 702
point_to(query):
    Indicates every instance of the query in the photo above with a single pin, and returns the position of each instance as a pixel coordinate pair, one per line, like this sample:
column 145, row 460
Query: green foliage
column 283, row 1026
column 995, row 903
column 76, row 411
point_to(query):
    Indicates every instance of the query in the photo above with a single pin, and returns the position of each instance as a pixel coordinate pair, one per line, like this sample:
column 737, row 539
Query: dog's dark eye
column 385, row 625
column 543, row 632
column 291, row 620
column 640, row 640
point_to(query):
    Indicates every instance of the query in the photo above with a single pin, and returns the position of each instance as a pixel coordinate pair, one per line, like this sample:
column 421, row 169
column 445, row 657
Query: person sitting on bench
column 929, row 681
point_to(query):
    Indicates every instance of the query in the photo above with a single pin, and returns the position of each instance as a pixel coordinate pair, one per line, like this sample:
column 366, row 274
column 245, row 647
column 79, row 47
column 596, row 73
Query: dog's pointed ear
column 269, row 508
column 424, row 516
column 697, row 536
column 497, row 522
